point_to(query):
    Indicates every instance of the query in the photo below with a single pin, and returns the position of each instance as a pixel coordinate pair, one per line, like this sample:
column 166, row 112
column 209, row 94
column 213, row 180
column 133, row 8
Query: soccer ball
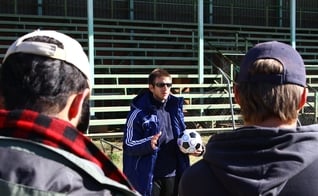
column 190, row 141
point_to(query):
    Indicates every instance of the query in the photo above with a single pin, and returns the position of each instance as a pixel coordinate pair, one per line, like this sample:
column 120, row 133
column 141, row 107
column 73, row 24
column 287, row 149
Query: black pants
column 165, row 187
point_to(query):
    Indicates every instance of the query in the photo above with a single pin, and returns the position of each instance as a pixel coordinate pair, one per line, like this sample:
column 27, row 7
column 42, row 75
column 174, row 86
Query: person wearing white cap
column 271, row 154
column 44, row 99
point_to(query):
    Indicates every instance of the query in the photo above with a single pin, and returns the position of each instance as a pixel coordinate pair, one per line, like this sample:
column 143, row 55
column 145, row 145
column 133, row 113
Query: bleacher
column 197, row 96
column 126, row 51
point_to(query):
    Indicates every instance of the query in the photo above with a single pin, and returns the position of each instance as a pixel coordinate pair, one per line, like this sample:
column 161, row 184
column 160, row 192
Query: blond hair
column 260, row 101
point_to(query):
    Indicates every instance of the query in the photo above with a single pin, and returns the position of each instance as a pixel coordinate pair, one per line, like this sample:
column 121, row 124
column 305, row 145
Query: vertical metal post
column 90, row 19
column 65, row 7
column 90, row 25
column 132, row 17
column 201, row 47
column 131, row 10
column 232, row 13
column 154, row 10
column 293, row 23
column 211, row 11
column 266, row 16
column 280, row 13
column 200, row 42
column 316, row 106
column 40, row 7
column 15, row 7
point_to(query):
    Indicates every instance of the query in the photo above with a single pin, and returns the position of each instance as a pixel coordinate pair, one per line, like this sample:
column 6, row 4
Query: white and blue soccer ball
column 190, row 141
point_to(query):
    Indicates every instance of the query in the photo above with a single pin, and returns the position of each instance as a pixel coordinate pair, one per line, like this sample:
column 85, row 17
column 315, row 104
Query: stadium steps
column 136, row 47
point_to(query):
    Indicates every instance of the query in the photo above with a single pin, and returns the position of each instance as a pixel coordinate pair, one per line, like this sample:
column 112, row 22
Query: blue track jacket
column 142, row 123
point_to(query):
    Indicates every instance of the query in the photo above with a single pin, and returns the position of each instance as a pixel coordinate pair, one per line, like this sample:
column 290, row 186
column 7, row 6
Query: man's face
column 161, row 88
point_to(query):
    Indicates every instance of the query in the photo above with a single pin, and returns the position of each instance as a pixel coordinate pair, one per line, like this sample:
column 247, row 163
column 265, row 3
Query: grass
column 116, row 155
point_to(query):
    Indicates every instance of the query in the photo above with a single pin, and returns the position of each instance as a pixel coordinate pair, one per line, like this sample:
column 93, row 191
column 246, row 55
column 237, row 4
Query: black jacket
column 256, row 161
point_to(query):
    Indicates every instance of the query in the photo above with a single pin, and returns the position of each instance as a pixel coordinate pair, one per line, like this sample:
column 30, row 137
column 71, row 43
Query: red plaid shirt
column 57, row 133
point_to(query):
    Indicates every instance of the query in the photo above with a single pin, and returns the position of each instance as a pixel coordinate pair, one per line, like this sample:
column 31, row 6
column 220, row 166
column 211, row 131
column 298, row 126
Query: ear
column 151, row 87
column 76, row 105
column 303, row 98
column 236, row 95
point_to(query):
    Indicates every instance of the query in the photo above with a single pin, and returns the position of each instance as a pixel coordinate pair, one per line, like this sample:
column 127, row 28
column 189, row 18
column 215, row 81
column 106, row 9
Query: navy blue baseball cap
column 294, row 67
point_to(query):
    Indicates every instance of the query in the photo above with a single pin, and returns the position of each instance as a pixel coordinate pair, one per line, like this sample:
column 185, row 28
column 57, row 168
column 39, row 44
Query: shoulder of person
column 71, row 165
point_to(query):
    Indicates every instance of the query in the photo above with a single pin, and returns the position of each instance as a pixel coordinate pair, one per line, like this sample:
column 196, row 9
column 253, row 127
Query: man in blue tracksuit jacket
column 152, row 160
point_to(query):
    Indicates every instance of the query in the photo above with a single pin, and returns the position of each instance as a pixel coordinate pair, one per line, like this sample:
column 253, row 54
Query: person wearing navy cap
column 270, row 154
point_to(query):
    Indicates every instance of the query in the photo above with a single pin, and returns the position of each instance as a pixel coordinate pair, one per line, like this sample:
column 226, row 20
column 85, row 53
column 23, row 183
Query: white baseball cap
column 72, row 53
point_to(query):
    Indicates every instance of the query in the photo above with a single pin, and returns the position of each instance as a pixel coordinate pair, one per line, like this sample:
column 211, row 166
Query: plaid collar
column 57, row 133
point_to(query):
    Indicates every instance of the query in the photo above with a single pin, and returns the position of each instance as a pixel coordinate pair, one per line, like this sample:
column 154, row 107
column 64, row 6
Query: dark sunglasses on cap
column 161, row 85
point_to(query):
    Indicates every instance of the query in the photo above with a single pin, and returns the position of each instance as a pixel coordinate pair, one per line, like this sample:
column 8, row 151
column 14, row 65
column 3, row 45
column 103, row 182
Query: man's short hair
column 40, row 71
column 260, row 101
column 156, row 73
column 270, row 82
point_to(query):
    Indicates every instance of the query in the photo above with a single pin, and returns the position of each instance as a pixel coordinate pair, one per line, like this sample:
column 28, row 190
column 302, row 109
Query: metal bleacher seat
column 126, row 51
